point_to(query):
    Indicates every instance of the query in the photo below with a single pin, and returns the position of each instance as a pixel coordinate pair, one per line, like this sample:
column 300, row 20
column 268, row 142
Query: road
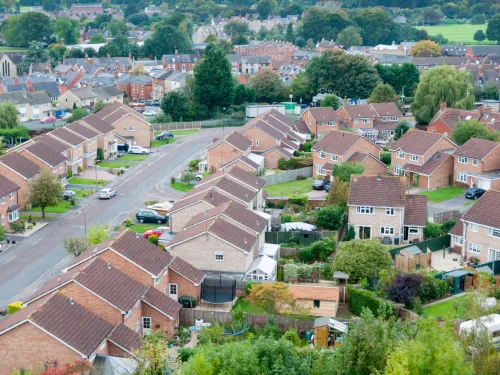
column 40, row 257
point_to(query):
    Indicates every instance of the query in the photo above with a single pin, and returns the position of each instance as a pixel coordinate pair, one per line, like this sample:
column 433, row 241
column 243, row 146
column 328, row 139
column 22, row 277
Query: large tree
column 8, row 116
column 493, row 29
column 349, row 37
column 383, row 93
column 174, row 104
column 376, row 26
column 269, row 87
column 274, row 298
column 402, row 127
column 213, row 84
column 400, row 77
column 330, row 217
column 67, row 29
column 466, row 129
column 21, row 30
column 331, row 101
column 35, row 54
column 165, row 40
column 345, row 170
column 45, row 190
column 319, row 23
column 438, row 85
column 117, row 27
column 425, row 48
column 266, row 8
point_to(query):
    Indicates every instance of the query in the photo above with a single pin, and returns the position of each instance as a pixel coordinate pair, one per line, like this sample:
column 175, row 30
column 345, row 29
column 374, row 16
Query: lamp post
column 95, row 169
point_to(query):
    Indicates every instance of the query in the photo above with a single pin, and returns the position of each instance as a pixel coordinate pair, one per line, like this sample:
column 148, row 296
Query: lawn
column 181, row 186
column 115, row 164
column 457, row 33
column 81, row 192
column 86, row 181
column 247, row 307
column 12, row 49
column 133, row 157
column 443, row 194
column 179, row 132
column 289, row 188
column 59, row 209
column 446, row 309
column 159, row 143
column 141, row 228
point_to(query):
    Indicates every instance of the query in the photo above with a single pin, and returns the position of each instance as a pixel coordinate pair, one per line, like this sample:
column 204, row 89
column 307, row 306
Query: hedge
column 359, row 298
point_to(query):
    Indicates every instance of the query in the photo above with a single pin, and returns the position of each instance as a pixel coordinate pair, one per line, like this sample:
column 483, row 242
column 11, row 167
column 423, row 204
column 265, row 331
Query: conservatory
column 262, row 269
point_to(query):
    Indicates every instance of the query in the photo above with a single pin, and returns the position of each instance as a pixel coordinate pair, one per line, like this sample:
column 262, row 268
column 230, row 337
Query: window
column 389, row 211
column 331, row 123
column 334, row 158
column 364, row 210
column 146, row 323
column 173, row 289
column 137, row 303
column 11, row 195
column 458, row 240
column 413, row 230
column 461, row 177
column 398, row 171
column 131, row 128
column 125, row 127
column 13, row 216
column 386, row 230
column 2, row 200
column 473, row 227
column 138, row 326
column 400, row 154
column 127, row 315
column 219, row 256
column 463, row 160
column 36, row 116
column 394, row 118
column 365, row 120
column 257, row 143
column 316, row 303
column 321, row 154
column 320, row 170
column 157, row 278
column 474, row 161
column 474, row 248
column 320, row 123
column 494, row 232
column 2, row 221
column 414, row 157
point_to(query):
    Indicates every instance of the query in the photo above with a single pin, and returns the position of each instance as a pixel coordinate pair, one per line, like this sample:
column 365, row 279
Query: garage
column 484, row 184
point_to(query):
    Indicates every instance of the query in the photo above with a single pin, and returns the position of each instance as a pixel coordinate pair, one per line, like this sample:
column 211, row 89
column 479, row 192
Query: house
column 252, row 163
column 227, row 149
column 60, row 329
column 76, row 144
column 416, row 152
column 20, row 171
column 105, row 138
column 356, row 116
column 379, row 207
column 108, row 94
column 477, row 164
column 47, row 158
column 445, row 120
column 9, row 202
column 179, row 62
column 30, row 105
column 89, row 146
column 338, row 147
column 321, row 300
column 50, row 87
column 127, row 123
column 165, row 82
column 252, row 64
column 82, row 97
column 481, row 229
column 479, row 52
column 276, row 50
column 321, row 120
column 86, row 8
column 424, row 63
column 10, row 64
column 327, row 45
column 141, row 87
column 387, row 116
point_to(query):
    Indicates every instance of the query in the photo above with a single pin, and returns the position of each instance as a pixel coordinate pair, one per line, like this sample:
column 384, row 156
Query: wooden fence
column 440, row 217
column 435, row 244
column 408, row 264
column 188, row 317
column 275, row 179
column 197, row 124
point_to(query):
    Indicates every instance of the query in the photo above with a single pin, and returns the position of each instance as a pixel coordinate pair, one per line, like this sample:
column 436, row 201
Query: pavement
column 40, row 257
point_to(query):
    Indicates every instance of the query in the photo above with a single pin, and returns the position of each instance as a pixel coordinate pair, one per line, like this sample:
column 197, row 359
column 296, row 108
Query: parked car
column 319, row 184
column 150, row 216
column 163, row 136
column 138, row 150
column 328, row 186
column 68, row 194
column 48, row 120
column 107, row 194
column 157, row 103
column 149, row 113
column 199, row 176
column 150, row 102
column 474, row 193
column 157, row 232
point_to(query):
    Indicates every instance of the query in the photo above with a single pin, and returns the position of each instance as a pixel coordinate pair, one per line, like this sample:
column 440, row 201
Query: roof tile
column 162, row 302
column 416, row 210
column 377, row 191
column 20, row 164
column 417, row 142
column 485, row 211
column 7, row 186
column 477, row 148
column 49, row 156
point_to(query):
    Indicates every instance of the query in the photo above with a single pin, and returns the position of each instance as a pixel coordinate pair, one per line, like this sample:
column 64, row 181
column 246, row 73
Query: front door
column 405, row 233
column 146, row 326
column 173, row 291
column 364, row 233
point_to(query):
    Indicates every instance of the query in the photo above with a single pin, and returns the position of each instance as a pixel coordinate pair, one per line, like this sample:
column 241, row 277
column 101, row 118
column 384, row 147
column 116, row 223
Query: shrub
column 292, row 336
column 330, row 217
column 248, row 286
column 70, row 174
column 385, row 157
column 319, row 250
column 404, row 288
column 270, row 205
column 300, row 200
column 100, row 154
column 351, row 234
column 172, row 180
column 151, row 202
column 14, row 306
column 153, row 239
column 80, row 169
column 186, row 353
column 193, row 164
column 17, row 226
column 286, row 218
column 432, row 230
column 359, row 299
column 128, row 222
column 447, row 225
column 30, row 226
column 307, row 147
column 432, row 288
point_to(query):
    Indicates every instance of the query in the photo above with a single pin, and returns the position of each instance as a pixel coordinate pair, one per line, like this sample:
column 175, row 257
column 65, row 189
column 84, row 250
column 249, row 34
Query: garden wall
column 275, row 179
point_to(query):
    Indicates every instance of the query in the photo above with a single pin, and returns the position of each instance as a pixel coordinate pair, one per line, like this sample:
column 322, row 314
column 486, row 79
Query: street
column 40, row 257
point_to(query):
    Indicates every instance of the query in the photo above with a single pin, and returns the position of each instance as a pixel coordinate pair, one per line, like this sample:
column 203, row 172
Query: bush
column 100, row 154
column 302, row 272
column 404, row 288
column 300, row 200
column 193, row 164
column 287, row 218
column 294, row 163
column 151, row 202
column 385, row 157
column 447, row 225
column 432, row 288
column 432, row 230
column 248, row 286
column 330, row 217
column 186, row 353
column 307, row 147
column 172, row 180
column 292, row 336
column 359, row 299
column 319, row 250
column 351, row 234
column 153, row 239
column 17, row 226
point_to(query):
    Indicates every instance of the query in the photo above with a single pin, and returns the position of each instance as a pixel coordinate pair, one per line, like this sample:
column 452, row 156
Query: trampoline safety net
column 218, row 289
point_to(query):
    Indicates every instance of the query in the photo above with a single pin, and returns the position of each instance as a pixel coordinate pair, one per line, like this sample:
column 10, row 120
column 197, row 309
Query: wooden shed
column 328, row 332
column 412, row 258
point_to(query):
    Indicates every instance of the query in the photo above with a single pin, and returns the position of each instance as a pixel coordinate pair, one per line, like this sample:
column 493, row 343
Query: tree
column 165, row 40
column 233, row 28
column 213, row 84
column 153, row 239
column 99, row 105
column 362, row 259
column 269, row 87
column 8, row 116
column 243, row 94
column 493, row 29
column 35, row 54
column 383, row 93
column 137, row 19
column 174, row 104
column 187, row 177
column 2, row 232
column 402, row 127
column 376, row 26
column 21, row 30
column 225, row 45
column 45, row 190
column 330, row 217
column 479, row 35
column 76, row 53
column 97, row 234
column 442, row 84
column 339, row 191
column 400, row 77
column 346, row 169
column 266, row 8
column 290, row 35
column 130, row 9
column 349, row 37
column 331, row 100
column 97, row 39
column 155, row 356
column 425, row 48
column 466, row 129
column 439, row 39
column 319, row 23
column 274, row 297
column 211, row 38
column 117, row 27
column 77, row 114
column 404, row 288
column 75, row 245
column 67, row 29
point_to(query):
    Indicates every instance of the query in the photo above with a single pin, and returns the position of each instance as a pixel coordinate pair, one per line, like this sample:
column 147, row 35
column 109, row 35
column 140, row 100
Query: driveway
column 458, row 203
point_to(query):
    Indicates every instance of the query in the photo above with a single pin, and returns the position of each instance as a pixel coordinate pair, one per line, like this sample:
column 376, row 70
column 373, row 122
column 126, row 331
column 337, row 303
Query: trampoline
column 218, row 289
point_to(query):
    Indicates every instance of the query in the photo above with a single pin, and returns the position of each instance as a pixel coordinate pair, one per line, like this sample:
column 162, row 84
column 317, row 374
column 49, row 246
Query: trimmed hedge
column 360, row 298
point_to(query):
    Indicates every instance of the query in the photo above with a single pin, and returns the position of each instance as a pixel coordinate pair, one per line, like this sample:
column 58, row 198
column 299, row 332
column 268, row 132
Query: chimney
column 442, row 106
column 379, row 178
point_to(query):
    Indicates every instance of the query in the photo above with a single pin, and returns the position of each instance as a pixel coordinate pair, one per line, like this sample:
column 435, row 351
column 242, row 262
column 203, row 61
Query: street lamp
column 84, row 221
column 95, row 169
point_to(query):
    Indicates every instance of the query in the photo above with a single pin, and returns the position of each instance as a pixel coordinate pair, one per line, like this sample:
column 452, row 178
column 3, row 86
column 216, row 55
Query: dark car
column 163, row 136
column 150, row 216
column 474, row 193
column 328, row 186
column 319, row 184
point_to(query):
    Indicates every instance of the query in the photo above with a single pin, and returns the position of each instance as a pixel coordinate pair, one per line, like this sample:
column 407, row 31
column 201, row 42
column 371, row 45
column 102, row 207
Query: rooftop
column 377, row 191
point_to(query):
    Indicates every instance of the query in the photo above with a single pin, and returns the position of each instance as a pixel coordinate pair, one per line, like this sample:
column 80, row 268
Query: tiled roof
column 416, row 210
column 18, row 97
column 82, row 130
column 386, row 109
column 375, row 191
column 384, row 125
column 116, row 116
column 98, row 124
column 67, row 136
column 358, row 111
column 235, row 189
column 458, row 229
column 269, row 130
column 451, row 116
column 211, row 196
column 162, row 302
column 286, row 154
column 20, row 164
column 53, row 143
column 321, row 114
column 485, row 211
column 7, row 186
column 49, row 156
column 357, row 157
column 111, row 284
column 187, row 270
column 416, row 142
column 281, row 117
column 142, row 252
column 285, row 142
column 243, row 159
column 247, row 178
column 237, row 140
column 72, row 323
column 301, row 127
column 336, row 142
column 275, row 123
column 477, row 148
column 124, row 337
column 430, row 166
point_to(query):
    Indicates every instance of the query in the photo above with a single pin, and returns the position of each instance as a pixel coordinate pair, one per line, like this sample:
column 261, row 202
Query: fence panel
column 196, row 124
column 275, row 179
column 440, row 217
column 434, row 244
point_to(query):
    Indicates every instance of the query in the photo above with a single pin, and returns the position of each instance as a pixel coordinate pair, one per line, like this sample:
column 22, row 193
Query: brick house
column 226, row 149
column 141, row 87
column 477, row 164
column 179, row 62
column 90, row 144
column 60, row 329
column 276, row 50
column 321, row 120
column 338, row 147
column 242, row 162
column 21, row 171
column 478, row 232
column 379, row 207
column 417, row 152
column 253, row 64
column 273, row 154
column 327, row 45
column 9, row 204
column 76, row 143
column 106, row 137
column 445, row 120
column 356, row 116
column 387, row 116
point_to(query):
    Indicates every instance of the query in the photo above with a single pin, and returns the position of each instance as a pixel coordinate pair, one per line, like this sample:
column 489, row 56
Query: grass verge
column 61, row 208
column 115, row 164
column 132, row 157
column 86, row 181
column 452, row 308
column 158, row 143
column 181, row 186
column 141, row 228
column 247, row 307
column 289, row 188
column 81, row 193
column 443, row 194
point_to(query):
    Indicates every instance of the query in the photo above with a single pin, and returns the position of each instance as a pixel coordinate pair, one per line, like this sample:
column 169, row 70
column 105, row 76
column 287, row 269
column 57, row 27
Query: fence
column 302, row 238
column 440, row 217
column 188, row 317
column 275, row 179
column 434, row 244
column 197, row 124
column 312, row 202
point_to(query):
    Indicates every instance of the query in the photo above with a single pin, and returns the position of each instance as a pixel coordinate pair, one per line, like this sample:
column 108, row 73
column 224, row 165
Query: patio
column 450, row 262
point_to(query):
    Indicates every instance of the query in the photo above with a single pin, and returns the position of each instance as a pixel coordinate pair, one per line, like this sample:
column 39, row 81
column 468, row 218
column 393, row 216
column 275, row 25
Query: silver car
column 107, row 194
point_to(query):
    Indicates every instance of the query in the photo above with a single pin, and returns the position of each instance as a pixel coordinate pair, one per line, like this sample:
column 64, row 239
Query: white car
column 149, row 113
column 107, row 194
column 138, row 150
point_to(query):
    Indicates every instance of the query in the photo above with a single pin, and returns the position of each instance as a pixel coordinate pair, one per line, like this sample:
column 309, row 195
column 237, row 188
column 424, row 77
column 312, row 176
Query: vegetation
column 330, row 217
column 268, row 86
column 97, row 234
column 45, row 190
column 443, row 194
column 331, row 100
column 288, row 189
column 466, row 129
column 77, row 114
column 401, row 128
column 274, row 298
column 345, row 170
column 339, row 192
column 425, row 48
column 403, row 78
column 8, row 116
column 75, row 245
column 181, row 186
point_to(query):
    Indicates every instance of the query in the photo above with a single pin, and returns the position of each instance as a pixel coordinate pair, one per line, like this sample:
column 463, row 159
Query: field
column 457, row 33
column 12, row 49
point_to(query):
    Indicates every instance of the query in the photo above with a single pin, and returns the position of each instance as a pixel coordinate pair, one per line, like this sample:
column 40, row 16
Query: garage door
column 484, row 184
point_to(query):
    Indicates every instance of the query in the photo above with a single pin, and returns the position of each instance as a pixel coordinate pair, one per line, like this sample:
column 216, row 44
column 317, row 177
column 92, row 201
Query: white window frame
column 138, row 303
column 364, row 210
column 127, row 315
column 157, row 280
column 413, row 157
column 320, row 170
column 492, row 232
column 331, row 123
column 365, row 120
column 398, row 170
column 474, row 248
column 11, row 195
column 493, row 251
column 2, row 200
column 219, row 256
column 321, row 154
column 400, row 154
column 461, row 177
column 387, row 231
column 13, row 216
column 131, row 128
column 334, row 157
column 463, row 160
column 413, row 230
column 475, row 162
column 257, row 142
column 138, row 326
column 390, row 211
column 473, row 227
column 458, row 240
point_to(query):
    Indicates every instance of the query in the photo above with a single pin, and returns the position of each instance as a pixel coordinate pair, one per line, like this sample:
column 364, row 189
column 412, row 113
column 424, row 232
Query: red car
column 157, row 232
column 48, row 120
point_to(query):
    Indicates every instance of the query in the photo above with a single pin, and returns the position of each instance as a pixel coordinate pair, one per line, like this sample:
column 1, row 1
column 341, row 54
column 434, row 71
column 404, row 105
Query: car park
column 163, row 136
column 107, row 193
column 157, row 232
column 68, row 194
column 150, row 216
column 319, row 184
column 474, row 193
column 138, row 150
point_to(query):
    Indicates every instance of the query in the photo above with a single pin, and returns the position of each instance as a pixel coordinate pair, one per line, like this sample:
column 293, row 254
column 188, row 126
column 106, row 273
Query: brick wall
column 177, row 220
column 115, row 351
column 271, row 159
column 23, row 193
column 373, row 167
column 364, row 145
column 264, row 140
column 143, row 133
column 379, row 219
column 492, row 161
column 160, row 321
column 221, row 154
column 185, row 287
column 482, row 238
column 439, row 127
column 126, row 267
column 441, row 176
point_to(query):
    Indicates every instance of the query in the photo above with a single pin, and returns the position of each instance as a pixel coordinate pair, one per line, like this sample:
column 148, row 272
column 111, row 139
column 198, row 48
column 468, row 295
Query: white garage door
column 484, row 184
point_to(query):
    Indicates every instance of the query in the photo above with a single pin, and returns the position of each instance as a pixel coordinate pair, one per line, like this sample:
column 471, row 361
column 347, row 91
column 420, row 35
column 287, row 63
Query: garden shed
column 412, row 258
column 328, row 332
column 461, row 280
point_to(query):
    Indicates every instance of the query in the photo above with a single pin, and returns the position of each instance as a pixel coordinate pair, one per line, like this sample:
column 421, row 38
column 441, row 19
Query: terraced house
column 89, row 146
